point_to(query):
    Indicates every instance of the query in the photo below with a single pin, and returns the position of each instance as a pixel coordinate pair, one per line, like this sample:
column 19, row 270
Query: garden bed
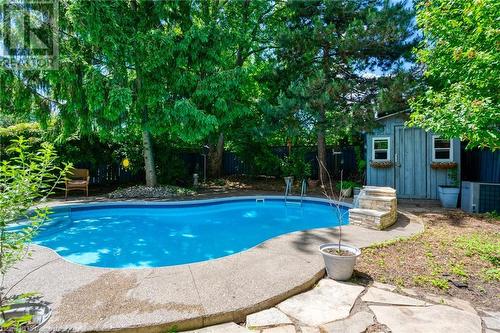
column 158, row 192
column 458, row 254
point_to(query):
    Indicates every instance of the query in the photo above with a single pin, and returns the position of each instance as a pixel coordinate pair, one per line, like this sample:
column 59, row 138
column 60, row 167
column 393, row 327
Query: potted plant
column 26, row 179
column 345, row 188
column 448, row 194
column 339, row 258
column 312, row 183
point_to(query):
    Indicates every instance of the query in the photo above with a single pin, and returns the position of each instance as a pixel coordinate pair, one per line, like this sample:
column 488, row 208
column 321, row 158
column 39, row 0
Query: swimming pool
column 135, row 235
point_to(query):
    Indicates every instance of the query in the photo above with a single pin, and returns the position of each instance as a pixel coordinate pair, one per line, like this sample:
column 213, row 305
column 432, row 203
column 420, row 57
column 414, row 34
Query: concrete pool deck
column 90, row 299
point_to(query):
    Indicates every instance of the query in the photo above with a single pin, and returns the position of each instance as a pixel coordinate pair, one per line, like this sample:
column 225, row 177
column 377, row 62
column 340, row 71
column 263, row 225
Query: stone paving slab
column 451, row 301
column 492, row 323
column 223, row 328
column 266, row 318
column 356, row 323
column 307, row 329
column 281, row 329
column 91, row 299
column 425, row 319
column 376, row 295
column 329, row 301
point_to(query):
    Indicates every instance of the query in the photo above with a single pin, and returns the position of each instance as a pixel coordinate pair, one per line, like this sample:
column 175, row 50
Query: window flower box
column 443, row 165
column 381, row 164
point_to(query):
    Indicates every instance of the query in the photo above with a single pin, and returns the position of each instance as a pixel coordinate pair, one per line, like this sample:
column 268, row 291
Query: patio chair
column 77, row 179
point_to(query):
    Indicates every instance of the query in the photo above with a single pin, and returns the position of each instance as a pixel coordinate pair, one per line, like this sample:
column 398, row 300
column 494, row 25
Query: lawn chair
column 77, row 179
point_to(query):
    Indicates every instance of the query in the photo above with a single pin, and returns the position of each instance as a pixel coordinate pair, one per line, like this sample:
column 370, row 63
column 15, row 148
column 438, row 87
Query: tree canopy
column 203, row 72
column 461, row 56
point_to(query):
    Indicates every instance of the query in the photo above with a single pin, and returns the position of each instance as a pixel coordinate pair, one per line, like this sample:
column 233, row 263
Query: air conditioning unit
column 480, row 197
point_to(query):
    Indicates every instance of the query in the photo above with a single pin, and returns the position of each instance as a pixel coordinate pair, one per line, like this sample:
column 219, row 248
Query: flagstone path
column 344, row 307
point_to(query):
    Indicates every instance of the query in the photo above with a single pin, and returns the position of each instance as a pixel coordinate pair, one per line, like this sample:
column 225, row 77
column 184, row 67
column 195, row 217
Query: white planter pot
column 288, row 179
column 356, row 190
column 346, row 192
column 339, row 267
column 40, row 313
column 448, row 196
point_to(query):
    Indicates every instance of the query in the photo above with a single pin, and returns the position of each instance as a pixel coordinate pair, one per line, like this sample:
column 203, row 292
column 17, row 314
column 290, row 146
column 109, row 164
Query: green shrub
column 346, row 185
column 296, row 165
column 171, row 169
column 25, row 179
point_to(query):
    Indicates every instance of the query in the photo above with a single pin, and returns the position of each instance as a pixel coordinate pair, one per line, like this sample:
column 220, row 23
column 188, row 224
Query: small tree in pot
column 339, row 258
column 25, row 179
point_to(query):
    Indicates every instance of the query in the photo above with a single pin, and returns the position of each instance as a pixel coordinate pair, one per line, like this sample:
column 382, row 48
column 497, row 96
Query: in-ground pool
column 154, row 235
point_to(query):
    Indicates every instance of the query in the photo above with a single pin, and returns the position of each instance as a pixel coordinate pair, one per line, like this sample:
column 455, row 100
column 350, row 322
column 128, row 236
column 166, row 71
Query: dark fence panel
column 110, row 174
column 113, row 174
column 480, row 165
column 336, row 161
column 232, row 165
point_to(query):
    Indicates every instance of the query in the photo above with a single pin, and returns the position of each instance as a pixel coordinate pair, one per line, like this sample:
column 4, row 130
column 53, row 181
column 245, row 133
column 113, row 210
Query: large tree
column 325, row 57
column 127, row 69
column 461, row 56
column 247, row 28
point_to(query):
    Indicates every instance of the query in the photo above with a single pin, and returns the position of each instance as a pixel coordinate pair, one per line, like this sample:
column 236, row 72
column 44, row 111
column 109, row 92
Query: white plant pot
column 288, row 179
column 339, row 267
column 356, row 190
column 40, row 313
column 448, row 196
column 346, row 192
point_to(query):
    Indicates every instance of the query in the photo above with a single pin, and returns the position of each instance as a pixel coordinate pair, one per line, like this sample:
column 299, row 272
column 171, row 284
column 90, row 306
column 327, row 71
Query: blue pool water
column 135, row 235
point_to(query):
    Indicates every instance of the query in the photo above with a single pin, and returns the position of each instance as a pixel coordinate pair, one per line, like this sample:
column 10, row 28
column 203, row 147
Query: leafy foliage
column 462, row 59
column 25, row 179
column 296, row 165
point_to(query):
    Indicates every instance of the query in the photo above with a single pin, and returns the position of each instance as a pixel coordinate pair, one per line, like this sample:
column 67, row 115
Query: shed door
column 410, row 156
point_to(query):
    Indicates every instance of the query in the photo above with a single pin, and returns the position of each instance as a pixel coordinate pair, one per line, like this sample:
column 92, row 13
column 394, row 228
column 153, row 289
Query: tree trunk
column 322, row 171
column 149, row 162
column 215, row 158
column 322, row 174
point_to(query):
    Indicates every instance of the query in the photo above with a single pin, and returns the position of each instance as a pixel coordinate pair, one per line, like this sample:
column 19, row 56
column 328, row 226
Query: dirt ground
column 458, row 254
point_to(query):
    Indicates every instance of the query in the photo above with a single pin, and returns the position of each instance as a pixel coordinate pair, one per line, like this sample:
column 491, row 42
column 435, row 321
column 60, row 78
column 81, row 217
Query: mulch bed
column 440, row 261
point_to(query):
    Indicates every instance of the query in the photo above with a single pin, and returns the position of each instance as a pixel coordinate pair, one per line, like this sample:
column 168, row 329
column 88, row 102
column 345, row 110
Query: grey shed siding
column 411, row 149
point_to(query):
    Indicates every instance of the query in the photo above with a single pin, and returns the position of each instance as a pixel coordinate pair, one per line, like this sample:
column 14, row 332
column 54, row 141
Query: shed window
column 381, row 149
column 442, row 149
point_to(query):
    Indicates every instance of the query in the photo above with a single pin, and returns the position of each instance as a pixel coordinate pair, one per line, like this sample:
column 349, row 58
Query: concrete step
column 372, row 219
column 367, row 212
column 376, row 198
column 379, row 191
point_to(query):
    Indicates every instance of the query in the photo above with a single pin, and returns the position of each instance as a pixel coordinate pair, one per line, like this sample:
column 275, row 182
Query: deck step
column 366, row 212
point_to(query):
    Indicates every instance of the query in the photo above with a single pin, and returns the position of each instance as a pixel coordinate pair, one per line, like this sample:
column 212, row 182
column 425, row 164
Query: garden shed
column 411, row 160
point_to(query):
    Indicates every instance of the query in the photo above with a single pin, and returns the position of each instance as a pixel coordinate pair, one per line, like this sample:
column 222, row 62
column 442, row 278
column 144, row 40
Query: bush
column 296, row 165
column 171, row 169
column 25, row 179
column 346, row 185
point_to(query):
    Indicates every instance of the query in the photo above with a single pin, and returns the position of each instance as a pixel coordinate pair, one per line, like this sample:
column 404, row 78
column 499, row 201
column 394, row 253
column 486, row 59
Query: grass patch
column 459, row 270
column 484, row 246
column 423, row 280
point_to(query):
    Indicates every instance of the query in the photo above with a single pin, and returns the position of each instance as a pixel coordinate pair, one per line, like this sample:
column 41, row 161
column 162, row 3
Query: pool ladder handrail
column 287, row 188
column 302, row 190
